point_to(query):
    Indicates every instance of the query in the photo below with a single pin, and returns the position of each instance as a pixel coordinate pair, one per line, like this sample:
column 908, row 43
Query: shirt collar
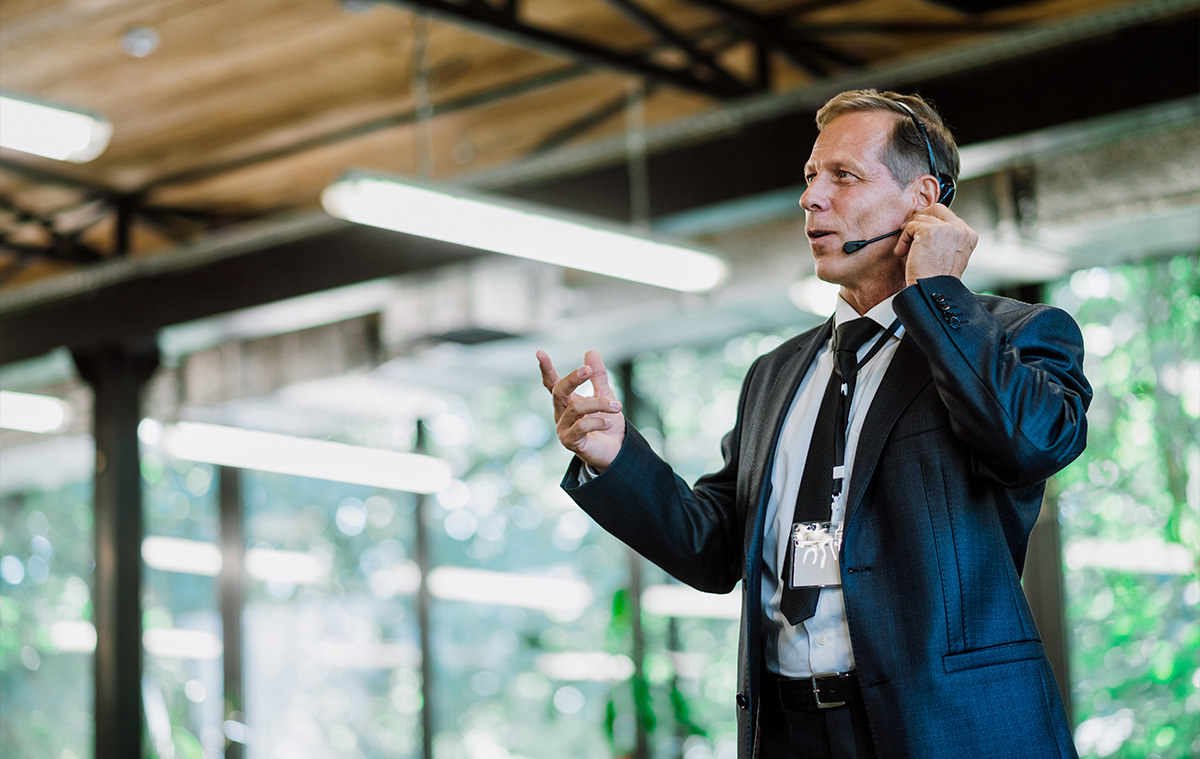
column 882, row 313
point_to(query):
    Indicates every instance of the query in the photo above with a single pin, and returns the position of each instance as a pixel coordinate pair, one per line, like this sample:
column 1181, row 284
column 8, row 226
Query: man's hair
column 905, row 155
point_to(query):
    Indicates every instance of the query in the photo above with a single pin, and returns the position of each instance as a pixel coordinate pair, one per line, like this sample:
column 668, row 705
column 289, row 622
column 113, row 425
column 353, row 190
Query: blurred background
column 277, row 483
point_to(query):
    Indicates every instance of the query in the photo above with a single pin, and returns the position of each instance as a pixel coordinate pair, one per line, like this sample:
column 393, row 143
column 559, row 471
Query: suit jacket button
column 938, row 297
column 742, row 701
column 954, row 322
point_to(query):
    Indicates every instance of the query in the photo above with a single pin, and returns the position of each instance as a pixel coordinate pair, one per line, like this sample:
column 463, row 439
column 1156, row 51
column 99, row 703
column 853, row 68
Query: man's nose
column 813, row 199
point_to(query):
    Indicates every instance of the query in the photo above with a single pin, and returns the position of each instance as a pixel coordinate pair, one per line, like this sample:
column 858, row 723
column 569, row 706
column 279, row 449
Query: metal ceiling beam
column 593, row 118
column 63, row 247
column 473, row 100
column 770, row 33
column 1075, row 37
column 762, row 31
column 900, row 27
column 503, row 25
column 265, row 263
column 45, row 176
column 1111, row 65
column 699, row 58
column 744, row 155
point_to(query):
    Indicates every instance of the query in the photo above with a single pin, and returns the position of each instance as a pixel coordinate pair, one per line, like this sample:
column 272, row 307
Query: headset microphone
column 854, row 245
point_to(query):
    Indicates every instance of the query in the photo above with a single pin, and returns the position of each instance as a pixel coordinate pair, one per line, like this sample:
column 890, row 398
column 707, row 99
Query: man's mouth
column 814, row 234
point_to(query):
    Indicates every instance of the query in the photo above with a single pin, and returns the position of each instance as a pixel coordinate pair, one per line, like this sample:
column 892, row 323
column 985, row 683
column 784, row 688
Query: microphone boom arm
column 854, row 245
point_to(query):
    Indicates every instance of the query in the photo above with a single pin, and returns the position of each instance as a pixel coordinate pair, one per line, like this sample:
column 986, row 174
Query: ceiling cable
column 423, row 103
column 635, row 155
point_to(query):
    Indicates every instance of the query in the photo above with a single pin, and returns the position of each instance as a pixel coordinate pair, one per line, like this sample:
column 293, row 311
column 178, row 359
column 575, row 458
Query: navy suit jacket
column 984, row 399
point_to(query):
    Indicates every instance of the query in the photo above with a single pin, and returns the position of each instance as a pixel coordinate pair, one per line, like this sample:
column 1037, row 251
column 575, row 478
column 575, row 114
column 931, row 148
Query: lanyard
column 844, row 402
column 878, row 345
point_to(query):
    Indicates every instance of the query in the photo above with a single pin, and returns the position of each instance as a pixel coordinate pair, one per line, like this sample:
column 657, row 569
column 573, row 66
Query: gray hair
column 905, row 155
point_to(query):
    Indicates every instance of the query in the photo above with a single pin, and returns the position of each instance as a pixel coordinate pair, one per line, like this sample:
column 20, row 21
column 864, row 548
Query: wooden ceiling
column 248, row 108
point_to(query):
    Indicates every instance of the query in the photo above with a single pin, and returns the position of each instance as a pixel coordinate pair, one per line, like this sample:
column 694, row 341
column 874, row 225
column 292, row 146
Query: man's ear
column 925, row 192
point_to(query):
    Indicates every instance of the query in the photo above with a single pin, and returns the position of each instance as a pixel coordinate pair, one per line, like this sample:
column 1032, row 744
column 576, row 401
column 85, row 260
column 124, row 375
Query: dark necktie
column 818, row 486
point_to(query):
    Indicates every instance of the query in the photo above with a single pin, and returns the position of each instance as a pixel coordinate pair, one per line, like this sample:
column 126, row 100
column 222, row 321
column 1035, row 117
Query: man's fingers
column 903, row 243
column 595, row 364
column 573, row 437
column 584, row 406
column 549, row 374
column 560, row 387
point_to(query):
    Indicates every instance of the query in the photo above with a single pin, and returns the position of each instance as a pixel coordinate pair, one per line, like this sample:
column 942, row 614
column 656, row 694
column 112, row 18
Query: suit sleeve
column 693, row 533
column 1011, row 377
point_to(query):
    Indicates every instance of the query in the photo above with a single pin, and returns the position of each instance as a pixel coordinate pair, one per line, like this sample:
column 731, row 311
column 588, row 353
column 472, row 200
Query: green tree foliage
column 45, row 566
column 1129, row 512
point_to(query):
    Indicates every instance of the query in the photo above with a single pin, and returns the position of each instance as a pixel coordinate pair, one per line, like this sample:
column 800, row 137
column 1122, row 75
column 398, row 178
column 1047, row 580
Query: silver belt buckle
column 817, row 691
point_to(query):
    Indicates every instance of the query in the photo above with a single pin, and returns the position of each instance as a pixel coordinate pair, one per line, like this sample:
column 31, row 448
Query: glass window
column 332, row 655
column 688, row 398
column 183, row 684
column 1128, row 509
column 526, row 654
column 47, row 638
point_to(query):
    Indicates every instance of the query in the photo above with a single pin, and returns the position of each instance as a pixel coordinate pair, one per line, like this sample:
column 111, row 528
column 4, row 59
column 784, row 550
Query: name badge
column 815, row 548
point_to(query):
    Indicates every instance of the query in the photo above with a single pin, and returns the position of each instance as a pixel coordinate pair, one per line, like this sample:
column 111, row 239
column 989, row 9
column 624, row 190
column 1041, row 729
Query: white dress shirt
column 820, row 644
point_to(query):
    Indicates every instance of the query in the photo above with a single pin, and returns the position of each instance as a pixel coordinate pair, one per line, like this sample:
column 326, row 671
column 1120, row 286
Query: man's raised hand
column 592, row 428
column 936, row 242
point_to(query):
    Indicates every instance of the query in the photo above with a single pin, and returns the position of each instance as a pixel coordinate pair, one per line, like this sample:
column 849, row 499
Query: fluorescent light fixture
column 79, row 636
column 685, row 601
column 596, row 666
column 194, row 557
column 40, row 127
column 481, row 586
column 304, row 457
column 525, row 231
column 1146, row 555
column 201, row 557
column 73, row 636
column 178, row 643
column 296, row 567
column 375, row 654
column 33, row 413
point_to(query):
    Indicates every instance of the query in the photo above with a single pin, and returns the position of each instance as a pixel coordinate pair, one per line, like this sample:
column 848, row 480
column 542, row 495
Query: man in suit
column 909, row 452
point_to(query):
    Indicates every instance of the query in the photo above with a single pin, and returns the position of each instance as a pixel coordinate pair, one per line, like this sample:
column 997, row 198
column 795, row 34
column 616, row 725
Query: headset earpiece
column 945, row 182
column 945, row 190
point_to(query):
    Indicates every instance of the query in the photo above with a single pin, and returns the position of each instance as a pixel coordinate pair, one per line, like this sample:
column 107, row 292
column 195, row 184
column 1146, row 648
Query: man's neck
column 863, row 299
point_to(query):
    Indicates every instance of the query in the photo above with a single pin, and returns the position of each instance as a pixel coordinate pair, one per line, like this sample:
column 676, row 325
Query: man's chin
column 831, row 267
column 827, row 245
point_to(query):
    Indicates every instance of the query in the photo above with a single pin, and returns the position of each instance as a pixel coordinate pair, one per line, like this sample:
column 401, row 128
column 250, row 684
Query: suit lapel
column 773, row 401
column 770, row 400
column 906, row 376
column 774, row 410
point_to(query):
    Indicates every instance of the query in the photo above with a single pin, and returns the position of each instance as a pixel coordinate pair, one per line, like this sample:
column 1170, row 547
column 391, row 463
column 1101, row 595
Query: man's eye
column 808, row 178
column 844, row 175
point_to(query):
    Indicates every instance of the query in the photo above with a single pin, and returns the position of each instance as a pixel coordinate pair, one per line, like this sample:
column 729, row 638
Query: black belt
column 825, row 691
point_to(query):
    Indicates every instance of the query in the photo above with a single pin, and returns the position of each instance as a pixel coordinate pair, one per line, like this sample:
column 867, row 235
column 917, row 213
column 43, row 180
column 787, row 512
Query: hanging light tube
column 50, row 130
column 33, row 413
column 506, row 227
column 303, row 457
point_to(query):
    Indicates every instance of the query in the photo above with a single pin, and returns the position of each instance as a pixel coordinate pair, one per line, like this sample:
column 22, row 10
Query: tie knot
column 855, row 333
